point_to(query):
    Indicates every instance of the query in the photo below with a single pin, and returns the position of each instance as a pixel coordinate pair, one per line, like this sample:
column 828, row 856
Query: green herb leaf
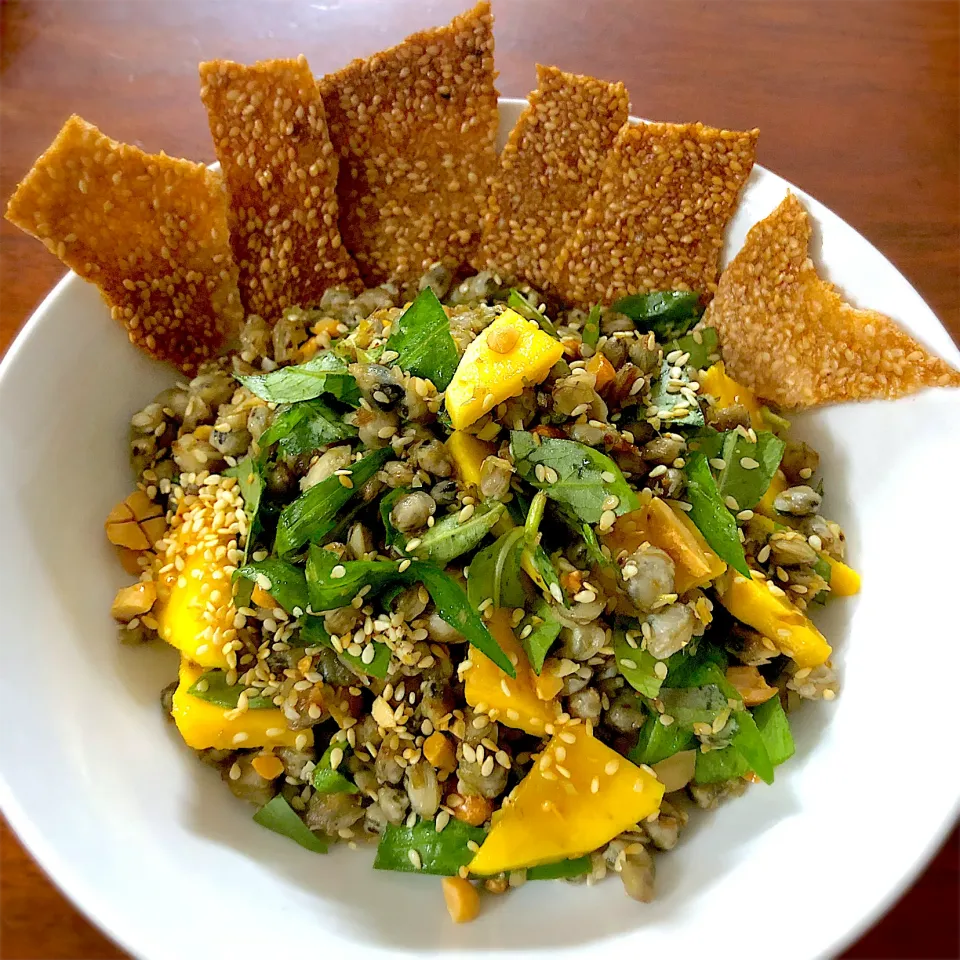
column 448, row 538
column 667, row 313
column 249, row 474
column 440, row 854
column 584, row 475
column 637, row 666
column 422, row 338
column 314, row 634
column 314, row 514
column 561, row 869
column 495, row 572
column 657, row 742
column 305, row 427
column 281, row 818
column 288, row 586
column 594, row 550
column 517, row 301
column 391, row 535
column 700, row 344
column 591, row 327
column 667, row 401
column 325, row 373
column 328, row 780
column 747, row 486
column 328, row 592
column 547, row 571
column 774, row 727
column 690, row 705
column 545, row 630
column 454, row 607
column 212, row 687
column 711, row 515
column 748, row 742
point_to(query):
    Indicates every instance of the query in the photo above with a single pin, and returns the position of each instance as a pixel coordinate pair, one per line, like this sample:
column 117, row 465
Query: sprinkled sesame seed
column 748, row 463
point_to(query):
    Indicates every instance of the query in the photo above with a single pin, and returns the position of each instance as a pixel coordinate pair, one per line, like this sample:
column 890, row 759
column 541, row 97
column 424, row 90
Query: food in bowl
column 497, row 573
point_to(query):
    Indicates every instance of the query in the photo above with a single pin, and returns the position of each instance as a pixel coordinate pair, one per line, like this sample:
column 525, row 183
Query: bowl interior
column 153, row 847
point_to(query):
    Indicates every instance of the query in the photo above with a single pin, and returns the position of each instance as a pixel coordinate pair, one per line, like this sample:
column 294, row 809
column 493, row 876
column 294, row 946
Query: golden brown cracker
column 549, row 169
column 270, row 132
column 415, row 128
column 657, row 220
column 788, row 334
column 149, row 231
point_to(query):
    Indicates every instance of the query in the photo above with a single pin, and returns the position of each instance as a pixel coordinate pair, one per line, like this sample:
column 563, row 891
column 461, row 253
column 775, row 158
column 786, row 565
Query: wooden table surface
column 857, row 103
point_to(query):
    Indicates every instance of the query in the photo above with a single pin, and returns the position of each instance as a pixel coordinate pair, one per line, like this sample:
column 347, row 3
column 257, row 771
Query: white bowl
column 152, row 847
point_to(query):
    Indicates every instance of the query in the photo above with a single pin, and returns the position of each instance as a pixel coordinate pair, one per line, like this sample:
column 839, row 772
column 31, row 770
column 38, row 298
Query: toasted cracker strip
column 415, row 127
column 270, row 132
column 656, row 222
column 789, row 336
column 549, row 169
column 149, row 231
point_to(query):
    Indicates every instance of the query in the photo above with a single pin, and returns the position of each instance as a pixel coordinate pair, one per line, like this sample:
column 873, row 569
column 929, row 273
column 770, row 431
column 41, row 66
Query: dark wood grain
column 857, row 103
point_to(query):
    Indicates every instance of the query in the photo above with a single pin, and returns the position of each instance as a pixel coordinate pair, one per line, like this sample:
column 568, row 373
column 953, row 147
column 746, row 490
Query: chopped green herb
column 657, row 742
column 391, row 535
column 711, row 515
column 305, row 427
column 326, row 779
column 594, row 550
column 420, row 849
column 288, row 586
column 749, row 467
column 667, row 313
column 249, row 474
column 423, row 341
column 495, row 572
column 561, row 869
column 325, row 373
column 700, row 344
column 333, row 583
column 591, row 327
column 212, row 687
column 637, row 666
column 585, row 478
column 448, row 538
column 318, row 511
column 690, row 705
column 518, row 302
column 673, row 408
column 281, row 818
column 314, row 634
column 545, row 628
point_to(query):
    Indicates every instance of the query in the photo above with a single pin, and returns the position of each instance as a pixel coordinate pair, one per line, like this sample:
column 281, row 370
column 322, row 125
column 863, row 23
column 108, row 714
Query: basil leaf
column 328, row 780
column 305, row 427
column 325, row 373
column 711, row 516
column 281, row 818
column 774, row 727
column 748, row 485
column 545, row 628
column 440, row 854
column 561, row 869
column 591, row 327
column 215, row 690
column 749, row 744
column 314, row 514
column 448, row 538
column 314, row 634
column 547, row 571
column 638, row 667
column 667, row 313
column 328, row 592
column 249, row 475
column 583, row 473
column 288, row 586
column 518, row 302
column 673, row 407
column 423, row 341
column 495, row 572
column 690, row 705
column 702, row 345
column 454, row 607
column 657, row 742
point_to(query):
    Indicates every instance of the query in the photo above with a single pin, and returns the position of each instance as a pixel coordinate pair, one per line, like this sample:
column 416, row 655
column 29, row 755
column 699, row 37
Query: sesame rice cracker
column 415, row 128
column 657, row 220
column 549, row 169
column 789, row 335
column 149, row 231
column 270, row 131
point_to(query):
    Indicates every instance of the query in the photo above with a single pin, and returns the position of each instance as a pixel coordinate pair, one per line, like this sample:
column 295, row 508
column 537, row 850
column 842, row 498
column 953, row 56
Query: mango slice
column 512, row 353
column 578, row 796
column 666, row 526
column 468, row 454
column 844, row 580
column 515, row 700
column 203, row 724
column 751, row 602
column 728, row 392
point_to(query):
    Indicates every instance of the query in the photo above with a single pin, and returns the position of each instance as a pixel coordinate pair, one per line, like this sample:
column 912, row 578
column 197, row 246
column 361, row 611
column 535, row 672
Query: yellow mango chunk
column 666, row 526
column 468, row 454
column 512, row 353
column 203, row 724
column 751, row 602
column 514, row 702
column 578, row 796
column 844, row 580
column 728, row 392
